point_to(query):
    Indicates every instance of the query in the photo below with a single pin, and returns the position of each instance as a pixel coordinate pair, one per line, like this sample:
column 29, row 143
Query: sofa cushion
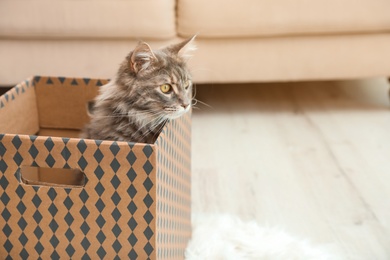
column 253, row 18
column 88, row 19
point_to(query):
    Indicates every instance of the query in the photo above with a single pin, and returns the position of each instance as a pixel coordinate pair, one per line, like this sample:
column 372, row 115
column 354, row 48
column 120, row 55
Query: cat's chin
column 175, row 115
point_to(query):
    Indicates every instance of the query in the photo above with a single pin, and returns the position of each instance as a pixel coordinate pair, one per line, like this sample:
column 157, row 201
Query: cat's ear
column 183, row 49
column 142, row 58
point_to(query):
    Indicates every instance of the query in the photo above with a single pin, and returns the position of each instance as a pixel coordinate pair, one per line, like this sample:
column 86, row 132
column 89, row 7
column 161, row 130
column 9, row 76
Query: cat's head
column 157, row 81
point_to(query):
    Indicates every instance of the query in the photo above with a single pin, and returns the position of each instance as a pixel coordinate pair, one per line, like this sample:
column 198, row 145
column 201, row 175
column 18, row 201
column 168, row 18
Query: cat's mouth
column 175, row 112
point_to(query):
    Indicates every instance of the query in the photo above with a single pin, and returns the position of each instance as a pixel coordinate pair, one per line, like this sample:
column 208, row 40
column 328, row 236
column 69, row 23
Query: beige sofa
column 238, row 40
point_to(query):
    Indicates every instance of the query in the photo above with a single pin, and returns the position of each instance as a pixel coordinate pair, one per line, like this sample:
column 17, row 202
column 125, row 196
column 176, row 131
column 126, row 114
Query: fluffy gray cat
column 150, row 88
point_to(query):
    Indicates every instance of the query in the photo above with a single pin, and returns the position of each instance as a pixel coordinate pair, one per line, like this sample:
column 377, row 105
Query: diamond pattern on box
column 13, row 93
column 135, row 203
column 97, row 218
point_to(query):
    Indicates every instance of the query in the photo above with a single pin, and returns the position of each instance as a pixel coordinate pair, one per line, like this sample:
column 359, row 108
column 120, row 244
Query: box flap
column 62, row 102
column 18, row 110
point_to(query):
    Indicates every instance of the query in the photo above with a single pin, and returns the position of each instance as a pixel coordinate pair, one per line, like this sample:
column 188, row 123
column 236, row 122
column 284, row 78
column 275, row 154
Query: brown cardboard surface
column 135, row 203
column 62, row 102
column 18, row 110
column 59, row 132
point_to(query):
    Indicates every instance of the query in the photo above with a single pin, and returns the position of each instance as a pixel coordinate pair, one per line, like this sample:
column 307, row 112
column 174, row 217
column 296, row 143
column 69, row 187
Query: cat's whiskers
column 194, row 90
column 142, row 113
column 125, row 115
column 194, row 86
column 161, row 127
column 116, row 116
column 153, row 127
column 201, row 102
column 150, row 122
column 193, row 104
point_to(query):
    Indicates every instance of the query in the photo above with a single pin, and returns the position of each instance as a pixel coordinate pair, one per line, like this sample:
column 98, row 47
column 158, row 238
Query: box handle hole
column 52, row 177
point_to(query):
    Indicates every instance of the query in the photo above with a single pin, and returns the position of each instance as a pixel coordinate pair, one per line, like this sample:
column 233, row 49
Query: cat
column 150, row 88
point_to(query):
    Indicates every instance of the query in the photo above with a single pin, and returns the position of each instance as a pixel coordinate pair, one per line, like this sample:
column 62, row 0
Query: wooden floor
column 311, row 158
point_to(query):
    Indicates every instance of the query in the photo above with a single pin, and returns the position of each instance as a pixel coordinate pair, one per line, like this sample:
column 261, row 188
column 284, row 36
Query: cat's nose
column 185, row 105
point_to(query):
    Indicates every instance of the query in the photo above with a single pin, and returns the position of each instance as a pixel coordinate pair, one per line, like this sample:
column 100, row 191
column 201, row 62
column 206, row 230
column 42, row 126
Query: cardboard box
column 132, row 202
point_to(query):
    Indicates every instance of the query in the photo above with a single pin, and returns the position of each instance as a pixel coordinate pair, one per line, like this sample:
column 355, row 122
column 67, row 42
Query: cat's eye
column 166, row 88
column 187, row 84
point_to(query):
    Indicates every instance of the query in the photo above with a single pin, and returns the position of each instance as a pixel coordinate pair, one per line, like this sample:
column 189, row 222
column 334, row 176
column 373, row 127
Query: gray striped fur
column 131, row 107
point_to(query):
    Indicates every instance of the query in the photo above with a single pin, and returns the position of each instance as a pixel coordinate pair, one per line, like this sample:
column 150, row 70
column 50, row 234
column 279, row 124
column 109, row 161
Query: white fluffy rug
column 226, row 237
